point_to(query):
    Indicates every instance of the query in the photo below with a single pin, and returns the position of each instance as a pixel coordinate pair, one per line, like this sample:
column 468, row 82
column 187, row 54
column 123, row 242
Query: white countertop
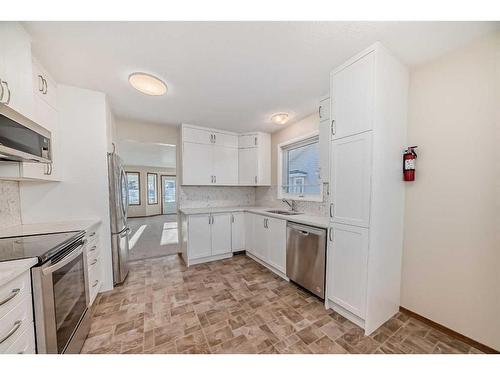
column 316, row 221
column 9, row 270
column 44, row 228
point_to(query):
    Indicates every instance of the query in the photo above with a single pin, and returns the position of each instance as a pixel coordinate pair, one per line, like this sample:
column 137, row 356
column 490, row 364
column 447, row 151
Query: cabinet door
column 324, row 110
column 352, row 91
column 16, row 67
column 197, row 164
column 350, row 179
column 194, row 135
column 199, row 238
column 247, row 140
column 260, row 237
column 247, row 166
column 276, row 243
column 225, row 165
column 44, row 86
column 238, row 231
column 221, row 233
column 347, row 267
column 226, row 140
column 47, row 117
column 324, row 151
column 249, row 232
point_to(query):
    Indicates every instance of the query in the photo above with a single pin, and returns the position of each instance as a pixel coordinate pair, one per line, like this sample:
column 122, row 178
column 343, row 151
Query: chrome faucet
column 291, row 203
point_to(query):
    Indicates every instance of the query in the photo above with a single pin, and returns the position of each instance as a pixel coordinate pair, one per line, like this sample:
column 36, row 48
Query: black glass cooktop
column 41, row 246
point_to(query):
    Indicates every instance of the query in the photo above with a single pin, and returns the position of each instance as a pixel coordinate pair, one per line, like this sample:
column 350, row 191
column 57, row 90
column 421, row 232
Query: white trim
column 267, row 265
column 280, row 194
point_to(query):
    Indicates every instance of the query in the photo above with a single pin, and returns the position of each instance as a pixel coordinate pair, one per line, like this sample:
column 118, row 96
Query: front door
column 169, row 204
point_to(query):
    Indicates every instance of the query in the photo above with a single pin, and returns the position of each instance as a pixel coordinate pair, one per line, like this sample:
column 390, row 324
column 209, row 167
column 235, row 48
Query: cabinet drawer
column 25, row 343
column 92, row 249
column 15, row 322
column 95, row 280
column 91, row 235
column 14, row 292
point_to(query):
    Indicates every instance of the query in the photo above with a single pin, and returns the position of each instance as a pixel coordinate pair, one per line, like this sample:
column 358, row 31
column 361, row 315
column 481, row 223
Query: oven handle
column 74, row 254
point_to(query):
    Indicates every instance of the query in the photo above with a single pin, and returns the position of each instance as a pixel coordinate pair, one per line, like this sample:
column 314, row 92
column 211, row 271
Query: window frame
column 303, row 140
column 156, row 188
column 139, row 187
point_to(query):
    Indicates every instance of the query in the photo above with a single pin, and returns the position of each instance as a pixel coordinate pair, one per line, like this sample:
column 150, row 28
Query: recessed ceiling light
column 280, row 118
column 147, row 84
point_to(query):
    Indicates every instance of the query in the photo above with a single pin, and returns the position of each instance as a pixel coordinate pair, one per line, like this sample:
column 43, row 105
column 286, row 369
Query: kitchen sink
column 282, row 212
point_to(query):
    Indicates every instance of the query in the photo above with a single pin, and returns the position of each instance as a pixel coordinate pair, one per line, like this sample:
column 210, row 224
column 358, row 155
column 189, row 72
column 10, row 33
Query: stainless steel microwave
column 21, row 139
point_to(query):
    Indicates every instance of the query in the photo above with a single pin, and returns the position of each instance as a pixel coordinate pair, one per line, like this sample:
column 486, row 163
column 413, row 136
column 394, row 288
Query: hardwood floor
column 238, row 306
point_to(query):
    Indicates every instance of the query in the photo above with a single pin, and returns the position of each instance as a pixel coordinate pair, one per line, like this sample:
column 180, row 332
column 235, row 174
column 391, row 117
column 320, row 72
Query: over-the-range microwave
column 21, row 139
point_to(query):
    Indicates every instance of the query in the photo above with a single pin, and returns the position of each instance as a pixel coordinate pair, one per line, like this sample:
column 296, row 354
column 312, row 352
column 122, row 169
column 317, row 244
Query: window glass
column 152, row 188
column 134, row 188
column 300, row 169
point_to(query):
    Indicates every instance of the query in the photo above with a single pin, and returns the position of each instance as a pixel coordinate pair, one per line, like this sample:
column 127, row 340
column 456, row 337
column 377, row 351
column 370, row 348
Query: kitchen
column 294, row 229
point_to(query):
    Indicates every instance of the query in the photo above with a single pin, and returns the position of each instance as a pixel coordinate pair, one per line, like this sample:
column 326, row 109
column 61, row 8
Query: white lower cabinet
column 17, row 335
column 93, row 262
column 268, row 241
column 238, row 229
column 347, row 268
column 221, row 233
column 208, row 235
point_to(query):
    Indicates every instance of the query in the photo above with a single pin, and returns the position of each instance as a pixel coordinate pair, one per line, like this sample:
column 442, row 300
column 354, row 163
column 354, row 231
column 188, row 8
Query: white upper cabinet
column 238, row 229
column 225, row 165
column 197, row 164
column 247, row 166
column 44, row 86
column 15, row 68
column 352, row 98
column 324, row 140
column 221, row 233
column 351, row 180
column 254, row 165
column 347, row 267
column 212, row 157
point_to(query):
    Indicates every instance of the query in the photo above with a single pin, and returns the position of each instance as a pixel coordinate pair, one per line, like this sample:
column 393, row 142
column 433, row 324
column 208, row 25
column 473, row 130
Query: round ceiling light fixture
column 147, row 84
column 279, row 118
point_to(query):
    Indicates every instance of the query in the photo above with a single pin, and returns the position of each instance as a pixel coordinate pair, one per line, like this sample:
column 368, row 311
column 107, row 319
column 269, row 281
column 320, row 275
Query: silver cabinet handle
column 232, row 218
column 13, row 330
column 45, row 85
column 255, row 179
column 12, row 294
column 95, row 283
column 40, row 83
column 215, row 179
column 8, row 92
column 331, row 209
column 2, row 92
column 255, row 141
column 215, row 138
column 333, row 127
column 92, row 234
column 93, row 248
column 303, row 233
column 319, row 112
column 211, row 138
column 93, row 262
column 209, row 220
column 330, row 235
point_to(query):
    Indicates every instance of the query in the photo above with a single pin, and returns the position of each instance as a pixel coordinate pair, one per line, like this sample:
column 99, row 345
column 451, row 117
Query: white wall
column 83, row 193
column 451, row 261
column 145, row 132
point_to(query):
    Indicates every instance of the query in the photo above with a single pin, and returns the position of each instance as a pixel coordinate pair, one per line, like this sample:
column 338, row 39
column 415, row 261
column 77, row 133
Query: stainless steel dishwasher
column 306, row 257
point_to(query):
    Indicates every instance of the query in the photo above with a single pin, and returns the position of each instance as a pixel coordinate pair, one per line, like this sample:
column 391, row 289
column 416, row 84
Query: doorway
column 168, row 201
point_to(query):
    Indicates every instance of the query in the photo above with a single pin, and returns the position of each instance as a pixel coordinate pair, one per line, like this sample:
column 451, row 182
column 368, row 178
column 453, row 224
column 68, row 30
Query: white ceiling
column 228, row 75
column 147, row 154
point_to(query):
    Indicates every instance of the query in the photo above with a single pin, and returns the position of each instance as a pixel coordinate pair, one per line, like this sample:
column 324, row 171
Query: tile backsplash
column 267, row 197
column 215, row 196
column 10, row 205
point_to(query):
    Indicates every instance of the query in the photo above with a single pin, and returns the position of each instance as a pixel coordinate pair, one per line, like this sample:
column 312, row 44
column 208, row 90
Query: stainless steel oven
column 60, row 300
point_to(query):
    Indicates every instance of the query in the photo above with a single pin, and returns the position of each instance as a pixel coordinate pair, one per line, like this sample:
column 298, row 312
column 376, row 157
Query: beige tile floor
column 237, row 306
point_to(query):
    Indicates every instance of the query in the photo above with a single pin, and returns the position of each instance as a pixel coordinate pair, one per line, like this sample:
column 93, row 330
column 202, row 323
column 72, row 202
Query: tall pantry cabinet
column 368, row 112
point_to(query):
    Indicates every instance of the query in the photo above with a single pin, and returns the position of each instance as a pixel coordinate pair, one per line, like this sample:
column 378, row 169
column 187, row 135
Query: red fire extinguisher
column 409, row 163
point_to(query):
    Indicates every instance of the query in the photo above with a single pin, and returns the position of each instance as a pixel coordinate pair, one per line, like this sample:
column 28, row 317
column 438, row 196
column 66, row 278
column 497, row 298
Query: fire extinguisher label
column 409, row 164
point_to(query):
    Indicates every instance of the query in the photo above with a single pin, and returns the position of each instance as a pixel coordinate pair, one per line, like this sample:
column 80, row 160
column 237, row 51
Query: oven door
column 60, row 296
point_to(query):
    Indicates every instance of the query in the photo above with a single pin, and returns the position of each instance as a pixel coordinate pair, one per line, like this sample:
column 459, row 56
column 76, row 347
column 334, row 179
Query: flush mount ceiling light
column 279, row 118
column 147, row 84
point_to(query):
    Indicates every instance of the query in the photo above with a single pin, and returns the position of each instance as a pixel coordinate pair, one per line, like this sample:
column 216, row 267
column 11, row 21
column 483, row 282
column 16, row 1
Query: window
column 299, row 170
column 134, row 188
column 152, row 188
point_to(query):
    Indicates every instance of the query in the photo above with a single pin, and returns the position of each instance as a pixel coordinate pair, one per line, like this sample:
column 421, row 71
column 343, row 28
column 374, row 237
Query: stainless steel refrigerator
column 118, row 206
